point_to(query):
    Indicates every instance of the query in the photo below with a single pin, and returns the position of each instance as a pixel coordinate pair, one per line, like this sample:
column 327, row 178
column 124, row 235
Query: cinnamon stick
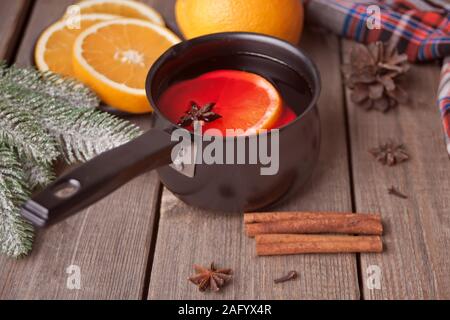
column 255, row 217
column 284, row 244
column 314, row 223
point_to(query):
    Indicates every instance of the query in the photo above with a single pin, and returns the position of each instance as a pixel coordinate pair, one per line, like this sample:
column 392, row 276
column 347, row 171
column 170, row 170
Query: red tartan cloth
column 444, row 100
column 437, row 18
column 419, row 29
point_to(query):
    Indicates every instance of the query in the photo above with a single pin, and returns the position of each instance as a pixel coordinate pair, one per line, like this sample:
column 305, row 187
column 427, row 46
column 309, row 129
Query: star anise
column 373, row 76
column 211, row 278
column 197, row 113
column 390, row 153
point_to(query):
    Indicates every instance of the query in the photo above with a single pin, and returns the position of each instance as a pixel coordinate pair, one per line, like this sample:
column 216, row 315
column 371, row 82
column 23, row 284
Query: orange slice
column 114, row 57
column 123, row 8
column 53, row 50
column 244, row 100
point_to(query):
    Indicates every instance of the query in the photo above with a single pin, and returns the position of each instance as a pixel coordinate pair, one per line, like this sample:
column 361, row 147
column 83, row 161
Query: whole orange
column 278, row 18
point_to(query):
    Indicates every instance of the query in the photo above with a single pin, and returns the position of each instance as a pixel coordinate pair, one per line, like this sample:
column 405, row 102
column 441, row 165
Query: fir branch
column 87, row 133
column 52, row 85
column 19, row 128
column 37, row 174
column 82, row 133
column 43, row 116
column 16, row 235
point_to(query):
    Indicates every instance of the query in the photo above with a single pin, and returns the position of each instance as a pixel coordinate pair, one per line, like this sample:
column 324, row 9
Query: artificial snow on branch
column 44, row 117
column 16, row 235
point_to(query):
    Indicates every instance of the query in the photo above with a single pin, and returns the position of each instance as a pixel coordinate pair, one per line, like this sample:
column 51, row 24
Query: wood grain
column 110, row 241
column 415, row 264
column 187, row 235
column 12, row 18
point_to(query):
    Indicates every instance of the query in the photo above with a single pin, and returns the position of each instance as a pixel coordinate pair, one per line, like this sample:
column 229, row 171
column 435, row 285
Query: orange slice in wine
column 244, row 100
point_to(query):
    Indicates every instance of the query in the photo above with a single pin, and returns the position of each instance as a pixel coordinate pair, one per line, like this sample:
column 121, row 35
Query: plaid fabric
column 419, row 28
column 444, row 100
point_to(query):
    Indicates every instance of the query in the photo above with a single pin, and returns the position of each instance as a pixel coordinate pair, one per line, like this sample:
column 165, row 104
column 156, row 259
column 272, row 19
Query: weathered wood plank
column 187, row 235
column 416, row 263
column 110, row 241
column 44, row 14
column 12, row 15
column 166, row 9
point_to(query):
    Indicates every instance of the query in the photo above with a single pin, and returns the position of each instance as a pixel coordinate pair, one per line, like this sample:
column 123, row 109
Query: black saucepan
column 219, row 187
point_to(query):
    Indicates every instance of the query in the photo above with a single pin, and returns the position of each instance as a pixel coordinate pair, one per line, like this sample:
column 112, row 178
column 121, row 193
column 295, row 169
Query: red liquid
column 238, row 102
column 286, row 117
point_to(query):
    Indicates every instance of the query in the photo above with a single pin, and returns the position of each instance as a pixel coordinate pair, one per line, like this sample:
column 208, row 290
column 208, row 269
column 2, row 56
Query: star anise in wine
column 197, row 113
column 374, row 73
column 211, row 278
column 390, row 153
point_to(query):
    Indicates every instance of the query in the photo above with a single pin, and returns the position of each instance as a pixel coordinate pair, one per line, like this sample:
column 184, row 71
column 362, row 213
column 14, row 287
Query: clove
column 393, row 191
column 290, row 276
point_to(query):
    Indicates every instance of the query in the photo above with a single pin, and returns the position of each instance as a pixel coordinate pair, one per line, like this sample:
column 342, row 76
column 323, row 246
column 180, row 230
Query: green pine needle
column 81, row 133
column 16, row 235
column 37, row 174
column 19, row 128
column 49, row 84
column 44, row 117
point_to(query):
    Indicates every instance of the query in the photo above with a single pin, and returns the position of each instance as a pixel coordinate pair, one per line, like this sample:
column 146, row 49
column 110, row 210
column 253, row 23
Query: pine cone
column 373, row 74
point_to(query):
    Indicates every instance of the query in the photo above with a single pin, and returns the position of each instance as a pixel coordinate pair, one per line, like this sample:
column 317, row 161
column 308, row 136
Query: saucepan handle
column 98, row 177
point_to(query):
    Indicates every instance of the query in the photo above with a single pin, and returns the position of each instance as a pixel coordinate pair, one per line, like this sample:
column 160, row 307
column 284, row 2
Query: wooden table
column 141, row 242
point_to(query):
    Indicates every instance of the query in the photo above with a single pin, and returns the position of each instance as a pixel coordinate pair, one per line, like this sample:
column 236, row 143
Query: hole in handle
column 67, row 189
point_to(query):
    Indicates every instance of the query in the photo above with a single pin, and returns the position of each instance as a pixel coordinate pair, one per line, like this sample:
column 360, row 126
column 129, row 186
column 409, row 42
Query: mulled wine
column 241, row 91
